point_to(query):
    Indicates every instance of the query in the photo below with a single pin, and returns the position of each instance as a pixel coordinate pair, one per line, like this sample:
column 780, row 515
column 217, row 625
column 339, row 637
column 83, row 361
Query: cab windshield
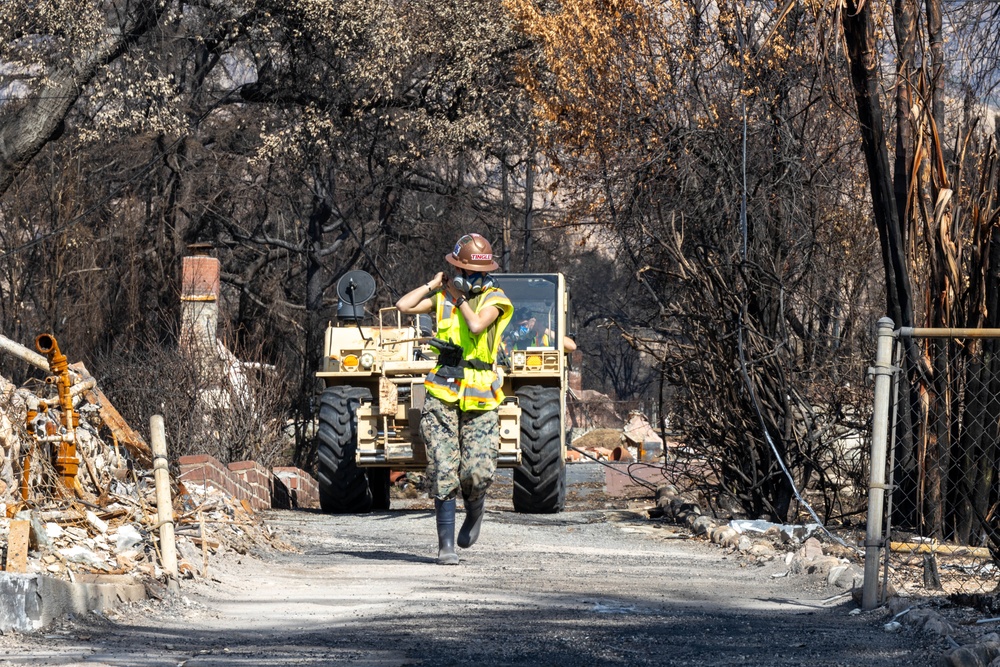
column 536, row 319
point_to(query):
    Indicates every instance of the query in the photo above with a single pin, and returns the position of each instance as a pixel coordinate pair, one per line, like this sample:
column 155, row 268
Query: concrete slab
column 31, row 602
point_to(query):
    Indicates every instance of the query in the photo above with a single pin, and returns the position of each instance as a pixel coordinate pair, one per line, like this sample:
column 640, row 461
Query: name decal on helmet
column 481, row 257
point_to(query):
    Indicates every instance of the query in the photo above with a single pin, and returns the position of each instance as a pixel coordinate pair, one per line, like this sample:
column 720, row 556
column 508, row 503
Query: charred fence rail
column 942, row 434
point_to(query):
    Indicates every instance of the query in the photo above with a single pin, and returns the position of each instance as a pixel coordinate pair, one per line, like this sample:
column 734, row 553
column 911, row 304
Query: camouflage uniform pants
column 461, row 449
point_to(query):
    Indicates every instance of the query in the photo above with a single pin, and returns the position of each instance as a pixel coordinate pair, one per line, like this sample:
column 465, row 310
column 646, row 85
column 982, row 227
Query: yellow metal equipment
column 64, row 436
column 369, row 412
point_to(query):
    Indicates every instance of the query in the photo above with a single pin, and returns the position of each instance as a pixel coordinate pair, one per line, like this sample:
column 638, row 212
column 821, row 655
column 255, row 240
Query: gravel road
column 600, row 584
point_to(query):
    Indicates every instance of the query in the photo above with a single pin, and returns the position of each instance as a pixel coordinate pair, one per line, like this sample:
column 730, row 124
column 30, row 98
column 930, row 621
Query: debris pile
column 637, row 440
column 600, row 445
column 211, row 520
column 642, row 437
column 77, row 489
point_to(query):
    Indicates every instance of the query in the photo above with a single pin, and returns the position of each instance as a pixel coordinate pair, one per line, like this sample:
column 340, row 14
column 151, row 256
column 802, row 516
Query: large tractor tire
column 343, row 486
column 540, row 480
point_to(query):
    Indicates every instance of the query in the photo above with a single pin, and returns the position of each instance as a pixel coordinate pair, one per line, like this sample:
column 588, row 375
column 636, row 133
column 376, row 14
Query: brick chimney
column 199, row 301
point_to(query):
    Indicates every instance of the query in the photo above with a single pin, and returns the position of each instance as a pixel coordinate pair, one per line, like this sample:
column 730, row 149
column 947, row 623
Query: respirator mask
column 472, row 284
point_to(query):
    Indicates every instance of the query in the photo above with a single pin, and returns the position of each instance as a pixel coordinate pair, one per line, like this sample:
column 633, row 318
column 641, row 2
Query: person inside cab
column 531, row 330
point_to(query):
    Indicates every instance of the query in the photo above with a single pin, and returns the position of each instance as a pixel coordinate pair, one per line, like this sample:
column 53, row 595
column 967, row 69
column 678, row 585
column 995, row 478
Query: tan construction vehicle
column 369, row 413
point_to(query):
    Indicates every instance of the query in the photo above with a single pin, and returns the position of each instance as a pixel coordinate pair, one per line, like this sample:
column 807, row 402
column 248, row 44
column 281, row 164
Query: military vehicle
column 373, row 371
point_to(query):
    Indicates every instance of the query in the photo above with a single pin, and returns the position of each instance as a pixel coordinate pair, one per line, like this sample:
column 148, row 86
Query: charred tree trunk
column 905, row 23
column 316, row 283
column 39, row 117
column 864, row 59
column 965, row 469
column 859, row 33
column 529, row 211
column 505, row 206
column 935, row 40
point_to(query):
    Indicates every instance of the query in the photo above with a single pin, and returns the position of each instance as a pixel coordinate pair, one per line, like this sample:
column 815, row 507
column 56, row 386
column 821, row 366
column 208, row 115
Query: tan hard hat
column 472, row 253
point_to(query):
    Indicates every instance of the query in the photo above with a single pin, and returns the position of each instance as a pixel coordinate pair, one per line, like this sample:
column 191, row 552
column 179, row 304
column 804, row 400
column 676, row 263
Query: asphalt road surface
column 600, row 584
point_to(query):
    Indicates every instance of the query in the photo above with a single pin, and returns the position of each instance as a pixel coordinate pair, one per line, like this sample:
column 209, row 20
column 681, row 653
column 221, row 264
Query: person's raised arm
column 481, row 321
column 477, row 322
column 421, row 299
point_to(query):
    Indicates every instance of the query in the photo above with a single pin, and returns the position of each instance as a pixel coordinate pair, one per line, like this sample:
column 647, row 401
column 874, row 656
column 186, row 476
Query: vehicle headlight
column 367, row 360
column 350, row 361
column 518, row 358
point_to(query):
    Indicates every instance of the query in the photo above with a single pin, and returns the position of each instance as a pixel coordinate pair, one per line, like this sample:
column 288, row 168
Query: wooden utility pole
column 505, row 204
column 529, row 210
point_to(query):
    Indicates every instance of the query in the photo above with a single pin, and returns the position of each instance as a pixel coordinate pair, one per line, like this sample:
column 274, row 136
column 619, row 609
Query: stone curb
column 31, row 602
column 807, row 559
column 983, row 654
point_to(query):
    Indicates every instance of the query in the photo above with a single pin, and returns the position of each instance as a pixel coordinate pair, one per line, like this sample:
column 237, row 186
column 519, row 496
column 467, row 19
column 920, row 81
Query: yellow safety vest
column 477, row 389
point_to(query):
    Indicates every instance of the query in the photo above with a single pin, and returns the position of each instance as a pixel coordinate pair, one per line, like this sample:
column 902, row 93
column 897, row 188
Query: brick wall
column 248, row 480
column 205, row 470
column 258, row 481
column 303, row 490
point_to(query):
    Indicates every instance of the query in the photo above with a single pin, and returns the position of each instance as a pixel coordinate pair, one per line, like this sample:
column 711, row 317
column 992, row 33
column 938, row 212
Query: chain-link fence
column 941, row 411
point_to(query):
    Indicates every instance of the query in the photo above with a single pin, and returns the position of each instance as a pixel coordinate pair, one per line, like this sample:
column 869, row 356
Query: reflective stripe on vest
column 478, row 389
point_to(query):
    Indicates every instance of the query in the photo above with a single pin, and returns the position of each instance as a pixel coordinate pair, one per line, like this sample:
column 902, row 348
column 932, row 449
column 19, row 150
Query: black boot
column 473, row 520
column 446, row 531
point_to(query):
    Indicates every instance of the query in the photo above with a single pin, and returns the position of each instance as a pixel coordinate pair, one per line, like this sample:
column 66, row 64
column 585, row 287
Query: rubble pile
column 211, row 520
column 65, row 541
column 636, row 441
column 103, row 518
column 604, row 444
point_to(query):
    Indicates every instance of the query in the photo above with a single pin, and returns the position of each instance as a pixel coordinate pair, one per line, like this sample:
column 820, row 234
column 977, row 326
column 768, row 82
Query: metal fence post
column 883, row 371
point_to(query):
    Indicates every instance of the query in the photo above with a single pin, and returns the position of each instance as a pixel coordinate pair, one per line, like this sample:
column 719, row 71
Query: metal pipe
column 67, row 462
column 74, row 391
column 915, row 332
column 81, row 387
column 897, row 359
column 164, row 506
column 23, row 353
column 621, row 454
column 26, row 474
column 883, row 372
column 61, row 437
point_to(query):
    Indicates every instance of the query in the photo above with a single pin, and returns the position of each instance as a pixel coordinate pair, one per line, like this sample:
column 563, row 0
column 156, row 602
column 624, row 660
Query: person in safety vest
column 460, row 425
